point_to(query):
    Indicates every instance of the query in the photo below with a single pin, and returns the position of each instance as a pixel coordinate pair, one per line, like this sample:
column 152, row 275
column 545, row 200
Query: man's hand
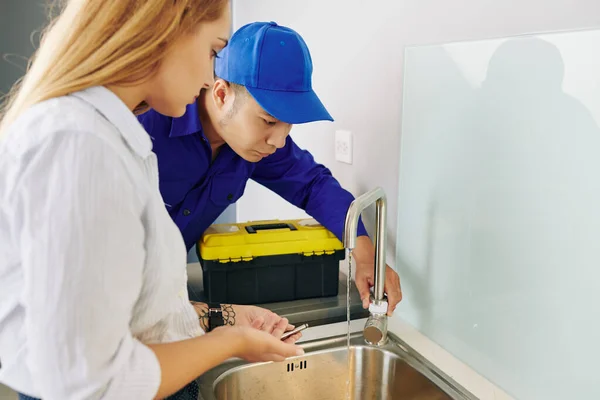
column 364, row 255
column 252, row 316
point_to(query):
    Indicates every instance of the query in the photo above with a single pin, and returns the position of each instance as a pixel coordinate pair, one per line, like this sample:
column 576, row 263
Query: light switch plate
column 343, row 146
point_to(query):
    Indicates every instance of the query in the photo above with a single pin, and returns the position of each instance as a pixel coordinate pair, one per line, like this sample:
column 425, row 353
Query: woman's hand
column 254, row 345
column 265, row 320
column 275, row 328
column 184, row 360
column 249, row 316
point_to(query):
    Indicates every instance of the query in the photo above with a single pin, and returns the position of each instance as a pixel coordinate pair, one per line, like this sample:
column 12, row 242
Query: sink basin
column 392, row 371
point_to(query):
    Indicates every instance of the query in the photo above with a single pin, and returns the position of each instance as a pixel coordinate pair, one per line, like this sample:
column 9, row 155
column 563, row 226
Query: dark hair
column 241, row 94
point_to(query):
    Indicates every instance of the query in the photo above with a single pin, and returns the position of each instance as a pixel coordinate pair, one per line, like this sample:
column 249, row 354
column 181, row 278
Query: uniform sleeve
column 294, row 174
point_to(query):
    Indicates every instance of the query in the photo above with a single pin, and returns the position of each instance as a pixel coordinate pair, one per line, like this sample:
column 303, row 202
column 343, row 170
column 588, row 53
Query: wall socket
column 343, row 146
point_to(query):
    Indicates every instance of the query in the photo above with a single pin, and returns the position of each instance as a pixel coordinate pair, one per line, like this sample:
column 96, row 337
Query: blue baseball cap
column 274, row 64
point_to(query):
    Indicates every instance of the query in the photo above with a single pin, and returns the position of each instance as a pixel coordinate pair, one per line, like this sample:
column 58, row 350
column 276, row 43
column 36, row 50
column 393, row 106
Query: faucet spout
column 376, row 328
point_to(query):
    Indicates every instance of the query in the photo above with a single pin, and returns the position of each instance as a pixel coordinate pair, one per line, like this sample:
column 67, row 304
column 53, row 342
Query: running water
column 348, row 284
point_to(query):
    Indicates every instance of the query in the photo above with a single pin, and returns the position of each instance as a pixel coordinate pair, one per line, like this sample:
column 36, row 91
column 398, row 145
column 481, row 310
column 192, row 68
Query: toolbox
column 269, row 261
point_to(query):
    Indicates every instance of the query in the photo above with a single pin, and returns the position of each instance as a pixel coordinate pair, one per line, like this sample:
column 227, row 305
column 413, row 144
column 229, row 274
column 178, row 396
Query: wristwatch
column 215, row 316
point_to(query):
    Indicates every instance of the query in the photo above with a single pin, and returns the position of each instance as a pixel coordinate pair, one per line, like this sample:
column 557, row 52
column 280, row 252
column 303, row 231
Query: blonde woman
column 93, row 300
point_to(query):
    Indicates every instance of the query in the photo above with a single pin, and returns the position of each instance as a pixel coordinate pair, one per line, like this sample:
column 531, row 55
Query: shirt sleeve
column 82, row 246
column 293, row 174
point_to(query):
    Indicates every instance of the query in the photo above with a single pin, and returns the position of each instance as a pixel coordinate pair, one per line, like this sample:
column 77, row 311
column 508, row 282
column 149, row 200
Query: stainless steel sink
column 392, row 371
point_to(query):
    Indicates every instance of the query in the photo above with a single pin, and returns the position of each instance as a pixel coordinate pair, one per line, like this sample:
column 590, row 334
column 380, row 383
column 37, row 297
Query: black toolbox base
column 272, row 278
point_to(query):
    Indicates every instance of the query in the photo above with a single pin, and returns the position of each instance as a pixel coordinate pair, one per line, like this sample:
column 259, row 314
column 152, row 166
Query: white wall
column 357, row 48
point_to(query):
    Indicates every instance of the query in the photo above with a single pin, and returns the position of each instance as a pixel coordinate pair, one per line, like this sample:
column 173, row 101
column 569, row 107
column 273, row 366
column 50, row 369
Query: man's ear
column 221, row 91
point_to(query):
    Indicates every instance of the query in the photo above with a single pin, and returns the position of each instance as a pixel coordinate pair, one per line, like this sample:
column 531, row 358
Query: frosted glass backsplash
column 498, row 239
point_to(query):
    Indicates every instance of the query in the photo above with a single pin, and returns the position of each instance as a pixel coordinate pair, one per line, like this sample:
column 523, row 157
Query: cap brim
column 291, row 107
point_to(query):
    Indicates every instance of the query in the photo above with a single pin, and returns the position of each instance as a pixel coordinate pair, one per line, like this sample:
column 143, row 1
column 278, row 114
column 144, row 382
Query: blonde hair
column 103, row 42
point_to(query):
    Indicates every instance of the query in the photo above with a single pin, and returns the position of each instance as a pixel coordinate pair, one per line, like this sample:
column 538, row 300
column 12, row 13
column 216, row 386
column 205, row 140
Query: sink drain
column 300, row 365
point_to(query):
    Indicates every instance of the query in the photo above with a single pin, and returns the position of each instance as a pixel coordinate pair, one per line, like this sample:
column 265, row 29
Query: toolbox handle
column 263, row 227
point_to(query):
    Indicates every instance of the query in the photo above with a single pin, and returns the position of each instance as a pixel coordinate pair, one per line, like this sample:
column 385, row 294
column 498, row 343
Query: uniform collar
column 188, row 123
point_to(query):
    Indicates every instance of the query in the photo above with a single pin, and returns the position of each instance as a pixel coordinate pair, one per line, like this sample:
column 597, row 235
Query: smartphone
column 292, row 332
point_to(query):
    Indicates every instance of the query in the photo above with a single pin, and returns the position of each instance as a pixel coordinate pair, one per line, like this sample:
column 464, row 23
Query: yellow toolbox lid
column 244, row 241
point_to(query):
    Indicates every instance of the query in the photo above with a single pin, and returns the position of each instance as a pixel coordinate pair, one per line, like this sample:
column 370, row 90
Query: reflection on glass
column 498, row 239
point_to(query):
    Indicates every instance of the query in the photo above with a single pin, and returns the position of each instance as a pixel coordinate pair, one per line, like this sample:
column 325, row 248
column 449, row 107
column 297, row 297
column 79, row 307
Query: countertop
column 315, row 312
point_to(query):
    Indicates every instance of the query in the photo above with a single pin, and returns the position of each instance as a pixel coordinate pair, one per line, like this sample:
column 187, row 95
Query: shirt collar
column 188, row 123
column 117, row 113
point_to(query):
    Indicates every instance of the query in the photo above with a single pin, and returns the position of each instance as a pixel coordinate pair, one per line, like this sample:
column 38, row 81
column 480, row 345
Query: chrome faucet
column 375, row 331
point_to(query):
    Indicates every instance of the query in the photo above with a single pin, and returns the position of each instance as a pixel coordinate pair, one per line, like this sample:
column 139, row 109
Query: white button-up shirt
column 91, row 265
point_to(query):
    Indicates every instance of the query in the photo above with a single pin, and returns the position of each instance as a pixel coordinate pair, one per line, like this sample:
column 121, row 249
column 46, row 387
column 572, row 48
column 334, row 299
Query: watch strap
column 215, row 316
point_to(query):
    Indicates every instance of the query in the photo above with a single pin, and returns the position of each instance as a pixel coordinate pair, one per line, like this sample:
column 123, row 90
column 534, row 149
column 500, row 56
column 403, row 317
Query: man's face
column 243, row 124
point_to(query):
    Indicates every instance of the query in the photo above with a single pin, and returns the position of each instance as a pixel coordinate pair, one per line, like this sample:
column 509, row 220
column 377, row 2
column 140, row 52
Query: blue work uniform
column 196, row 190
